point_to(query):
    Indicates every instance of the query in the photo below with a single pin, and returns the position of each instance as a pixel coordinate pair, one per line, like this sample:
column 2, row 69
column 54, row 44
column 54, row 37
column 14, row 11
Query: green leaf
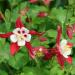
column 71, row 2
column 7, row 19
column 60, row 14
column 3, row 72
column 51, row 33
column 17, row 61
column 7, row 15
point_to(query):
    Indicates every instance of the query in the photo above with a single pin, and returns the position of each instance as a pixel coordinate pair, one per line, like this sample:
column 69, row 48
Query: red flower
column 20, row 36
column 42, row 14
column 46, row 2
column 62, row 49
column 33, row 1
column 40, row 51
column 69, row 31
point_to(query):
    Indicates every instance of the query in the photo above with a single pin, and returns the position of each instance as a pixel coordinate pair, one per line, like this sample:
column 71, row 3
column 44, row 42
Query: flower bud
column 33, row 1
column 74, row 28
column 69, row 31
column 47, row 2
column 42, row 14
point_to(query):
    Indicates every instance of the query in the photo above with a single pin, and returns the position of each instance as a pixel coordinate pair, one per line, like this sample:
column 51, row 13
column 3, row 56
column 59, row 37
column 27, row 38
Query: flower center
column 66, row 48
column 20, row 37
column 39, row 53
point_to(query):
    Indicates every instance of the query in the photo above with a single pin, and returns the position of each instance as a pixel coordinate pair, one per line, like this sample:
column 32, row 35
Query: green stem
column 64, row 24
column 37, row 63
column 7, row 66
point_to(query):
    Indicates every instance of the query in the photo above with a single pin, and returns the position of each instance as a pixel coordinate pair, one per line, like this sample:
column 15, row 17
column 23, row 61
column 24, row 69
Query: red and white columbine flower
column 20, row 36
column 40, row 51
column 62, row 49
column 65, row 48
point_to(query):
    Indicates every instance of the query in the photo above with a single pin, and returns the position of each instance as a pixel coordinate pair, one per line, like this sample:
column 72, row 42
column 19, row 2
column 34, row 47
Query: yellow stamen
column 66, row 48
column 39, row 54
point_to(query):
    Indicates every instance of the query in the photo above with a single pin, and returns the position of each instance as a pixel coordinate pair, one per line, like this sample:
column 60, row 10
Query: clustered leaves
column 37, row 37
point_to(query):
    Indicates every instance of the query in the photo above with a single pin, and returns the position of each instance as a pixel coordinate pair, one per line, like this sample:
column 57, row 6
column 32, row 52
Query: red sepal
column 14, row 48
column 30, row 48
column 59, row 30
column 69, row 31
column 48, row 56
column 33, row 32
column 6, row 35
column 69, row 60
column 19, row 23
column 70, row 44
column 60, row 59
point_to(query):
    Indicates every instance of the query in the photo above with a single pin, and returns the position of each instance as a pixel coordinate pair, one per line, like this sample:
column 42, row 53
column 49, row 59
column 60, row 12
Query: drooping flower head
column 62, row 50
column 40, row 51
column 64, row 47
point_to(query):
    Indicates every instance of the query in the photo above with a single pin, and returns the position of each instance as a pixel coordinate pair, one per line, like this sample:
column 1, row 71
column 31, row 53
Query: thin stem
column 10, row 71
column 64, row 24
column 2, row 16
column 37, row 63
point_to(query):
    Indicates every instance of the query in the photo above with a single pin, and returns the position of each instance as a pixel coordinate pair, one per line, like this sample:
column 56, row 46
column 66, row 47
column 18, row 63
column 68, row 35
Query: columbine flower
column 20, row 36
column 40, row 51
column 65, row 48
column 62, row 49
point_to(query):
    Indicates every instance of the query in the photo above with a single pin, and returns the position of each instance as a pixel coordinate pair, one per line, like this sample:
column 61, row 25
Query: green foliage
column 21, row 63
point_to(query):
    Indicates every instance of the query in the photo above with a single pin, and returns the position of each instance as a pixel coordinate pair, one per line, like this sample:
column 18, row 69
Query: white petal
column 21, row 43
column 16, row 30
column 25, row 29
column 66, row 56
column 28, row 38
column 13, row 38
column 66, row 53
column 63, row 43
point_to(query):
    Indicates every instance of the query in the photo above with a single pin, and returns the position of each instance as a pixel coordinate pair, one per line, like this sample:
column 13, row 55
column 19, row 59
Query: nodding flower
column 40, row 51
column 62, row 50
